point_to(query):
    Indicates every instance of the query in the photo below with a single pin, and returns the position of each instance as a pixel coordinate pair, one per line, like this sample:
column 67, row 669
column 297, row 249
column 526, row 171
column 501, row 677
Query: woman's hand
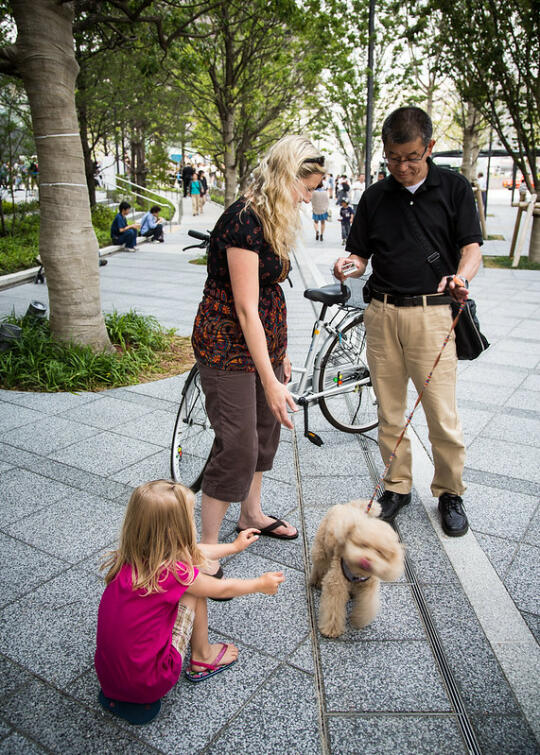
column 246, row 538
column 287, row 370
column 278, row 399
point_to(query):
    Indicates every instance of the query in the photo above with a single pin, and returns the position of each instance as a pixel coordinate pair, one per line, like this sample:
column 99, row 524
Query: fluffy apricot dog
column 352, row 552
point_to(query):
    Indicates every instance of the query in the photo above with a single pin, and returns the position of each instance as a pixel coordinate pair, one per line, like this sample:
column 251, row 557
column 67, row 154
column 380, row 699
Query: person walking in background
column 154, row 603
column 187, row 174
column 331, row 185
column 240, row 336
column 357, row 189
column 121, row 232
column 319, row 206
column 33, row 173
column 152, row 224
column 196, row 200
column 409, row 314
column 346, row 214
column 342, row 192
column 204, row 188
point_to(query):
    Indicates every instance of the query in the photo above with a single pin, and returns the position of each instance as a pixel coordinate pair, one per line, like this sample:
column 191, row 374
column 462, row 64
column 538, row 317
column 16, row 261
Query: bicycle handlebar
column 199, row 235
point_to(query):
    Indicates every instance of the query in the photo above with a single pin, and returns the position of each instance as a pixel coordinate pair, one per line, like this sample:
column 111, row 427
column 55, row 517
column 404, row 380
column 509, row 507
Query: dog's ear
column 339, row 526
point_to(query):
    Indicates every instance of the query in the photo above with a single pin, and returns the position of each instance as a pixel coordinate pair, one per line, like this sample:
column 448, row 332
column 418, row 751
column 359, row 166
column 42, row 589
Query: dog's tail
column 362, row 504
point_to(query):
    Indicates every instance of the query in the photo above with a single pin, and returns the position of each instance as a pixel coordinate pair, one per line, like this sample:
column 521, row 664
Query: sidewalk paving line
column 512, row 642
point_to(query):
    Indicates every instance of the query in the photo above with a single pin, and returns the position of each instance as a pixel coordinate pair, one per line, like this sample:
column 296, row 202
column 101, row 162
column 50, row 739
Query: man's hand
column 347, row 267
column 455, row 287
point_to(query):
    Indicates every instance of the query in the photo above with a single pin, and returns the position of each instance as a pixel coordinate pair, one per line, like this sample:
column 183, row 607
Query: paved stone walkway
column 449, row 666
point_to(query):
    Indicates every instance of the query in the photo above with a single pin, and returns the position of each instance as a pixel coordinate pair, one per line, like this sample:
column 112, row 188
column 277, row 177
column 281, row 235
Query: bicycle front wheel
column 193, row 435
column 353, row 409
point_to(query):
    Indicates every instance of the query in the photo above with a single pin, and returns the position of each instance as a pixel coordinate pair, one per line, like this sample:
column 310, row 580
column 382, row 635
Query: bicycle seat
column 336, row 293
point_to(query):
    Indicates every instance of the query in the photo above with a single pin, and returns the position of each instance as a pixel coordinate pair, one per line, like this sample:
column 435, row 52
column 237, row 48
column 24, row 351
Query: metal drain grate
column 454, row 694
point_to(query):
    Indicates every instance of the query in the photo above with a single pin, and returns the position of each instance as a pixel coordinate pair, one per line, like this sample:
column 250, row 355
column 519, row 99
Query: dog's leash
column 378, row 487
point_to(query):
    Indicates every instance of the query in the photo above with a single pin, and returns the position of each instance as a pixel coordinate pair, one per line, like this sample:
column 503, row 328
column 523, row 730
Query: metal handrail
column 156, row 196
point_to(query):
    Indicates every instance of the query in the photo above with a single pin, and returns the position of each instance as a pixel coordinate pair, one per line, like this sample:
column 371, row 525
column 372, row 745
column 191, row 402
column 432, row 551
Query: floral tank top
column 217, row 337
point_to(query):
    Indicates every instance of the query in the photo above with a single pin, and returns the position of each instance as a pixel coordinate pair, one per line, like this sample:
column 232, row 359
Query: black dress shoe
column 453, row 519
column 391, row 503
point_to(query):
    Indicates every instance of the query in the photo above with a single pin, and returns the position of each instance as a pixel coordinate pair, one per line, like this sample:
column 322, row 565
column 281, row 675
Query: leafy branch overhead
column 494, row 60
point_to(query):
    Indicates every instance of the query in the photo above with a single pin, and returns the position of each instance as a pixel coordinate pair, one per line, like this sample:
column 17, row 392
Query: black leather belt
column 411, row 301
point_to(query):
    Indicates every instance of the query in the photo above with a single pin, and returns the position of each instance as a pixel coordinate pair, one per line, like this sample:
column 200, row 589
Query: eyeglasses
column 399, row 160
column 316, row 160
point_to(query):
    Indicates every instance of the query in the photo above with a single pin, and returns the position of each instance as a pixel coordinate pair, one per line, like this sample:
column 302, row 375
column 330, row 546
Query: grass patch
column 21, row 208
column 217, row 195
column 495, row 237
column 144, row 351
column 506, row 263
column 199, row 260
column 18, row 250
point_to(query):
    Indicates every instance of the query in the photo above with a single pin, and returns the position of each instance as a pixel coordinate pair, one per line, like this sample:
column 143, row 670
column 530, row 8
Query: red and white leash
column 379, row 486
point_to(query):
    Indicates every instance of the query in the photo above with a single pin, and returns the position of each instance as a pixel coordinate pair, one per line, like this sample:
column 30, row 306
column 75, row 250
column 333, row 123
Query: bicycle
column 335, row 376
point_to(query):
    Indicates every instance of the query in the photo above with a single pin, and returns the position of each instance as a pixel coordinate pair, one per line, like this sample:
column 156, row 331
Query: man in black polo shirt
column 418, row 210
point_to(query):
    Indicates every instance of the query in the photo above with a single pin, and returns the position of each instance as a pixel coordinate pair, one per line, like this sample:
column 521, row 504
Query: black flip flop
column 269, row 530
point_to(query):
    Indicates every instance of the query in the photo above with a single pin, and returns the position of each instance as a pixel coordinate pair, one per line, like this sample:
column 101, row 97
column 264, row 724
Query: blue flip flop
column 135, row 713
column 210, row 669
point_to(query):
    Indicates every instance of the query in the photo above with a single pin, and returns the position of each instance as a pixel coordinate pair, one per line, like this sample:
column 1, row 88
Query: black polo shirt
column 445, row 210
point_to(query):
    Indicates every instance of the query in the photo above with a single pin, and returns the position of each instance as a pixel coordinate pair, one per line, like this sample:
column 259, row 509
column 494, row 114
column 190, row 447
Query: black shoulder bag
column 470, row 342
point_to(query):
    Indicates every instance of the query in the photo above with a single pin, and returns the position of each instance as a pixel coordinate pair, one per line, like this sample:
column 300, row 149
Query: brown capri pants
column 247, row 433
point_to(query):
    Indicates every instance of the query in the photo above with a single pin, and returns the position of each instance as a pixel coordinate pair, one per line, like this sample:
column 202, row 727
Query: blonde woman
column 240, row 336
column 154, row 603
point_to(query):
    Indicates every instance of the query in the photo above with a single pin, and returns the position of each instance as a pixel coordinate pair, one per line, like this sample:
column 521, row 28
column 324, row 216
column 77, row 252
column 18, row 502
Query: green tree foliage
column 491, row 49
column 343, row 87
column 247, row 73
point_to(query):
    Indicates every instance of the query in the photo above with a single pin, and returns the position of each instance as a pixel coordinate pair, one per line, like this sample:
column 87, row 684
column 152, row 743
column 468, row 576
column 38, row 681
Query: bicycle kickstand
column 309, row 434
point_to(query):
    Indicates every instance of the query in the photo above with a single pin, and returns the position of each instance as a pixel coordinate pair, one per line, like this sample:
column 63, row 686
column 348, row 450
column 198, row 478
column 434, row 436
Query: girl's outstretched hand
column 270, row 582
column 246, row 538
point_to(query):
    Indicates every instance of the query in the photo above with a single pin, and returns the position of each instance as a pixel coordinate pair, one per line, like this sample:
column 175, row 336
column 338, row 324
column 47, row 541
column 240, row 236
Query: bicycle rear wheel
column 353, row 410
column 193, row 436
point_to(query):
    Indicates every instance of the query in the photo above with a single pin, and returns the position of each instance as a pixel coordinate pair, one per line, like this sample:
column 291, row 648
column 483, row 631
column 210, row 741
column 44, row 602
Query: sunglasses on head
column 317, row 160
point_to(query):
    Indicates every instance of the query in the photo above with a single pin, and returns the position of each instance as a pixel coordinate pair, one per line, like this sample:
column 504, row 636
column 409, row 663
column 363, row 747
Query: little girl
column 154, row 603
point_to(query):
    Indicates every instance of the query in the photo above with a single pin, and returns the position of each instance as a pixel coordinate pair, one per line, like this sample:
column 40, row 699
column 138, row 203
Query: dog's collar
column 349, row 576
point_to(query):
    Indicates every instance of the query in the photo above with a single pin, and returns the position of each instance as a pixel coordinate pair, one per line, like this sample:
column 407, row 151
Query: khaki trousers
column 402, row 343
column 196, row 203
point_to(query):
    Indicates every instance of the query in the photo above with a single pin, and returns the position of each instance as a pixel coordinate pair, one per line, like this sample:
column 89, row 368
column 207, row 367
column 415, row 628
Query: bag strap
column 434, row 258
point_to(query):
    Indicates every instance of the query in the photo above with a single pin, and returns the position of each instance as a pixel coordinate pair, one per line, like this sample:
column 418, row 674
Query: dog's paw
column 331, row 628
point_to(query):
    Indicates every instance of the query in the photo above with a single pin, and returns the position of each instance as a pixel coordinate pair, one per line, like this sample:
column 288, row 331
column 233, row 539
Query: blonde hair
column 158, row 531
column 271, row 191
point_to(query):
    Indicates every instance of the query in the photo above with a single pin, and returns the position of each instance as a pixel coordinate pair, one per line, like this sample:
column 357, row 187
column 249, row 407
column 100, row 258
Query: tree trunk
column 229, row 159
column 471, row 142
column 534, row 244
column 68, row 246
column 82, row 111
